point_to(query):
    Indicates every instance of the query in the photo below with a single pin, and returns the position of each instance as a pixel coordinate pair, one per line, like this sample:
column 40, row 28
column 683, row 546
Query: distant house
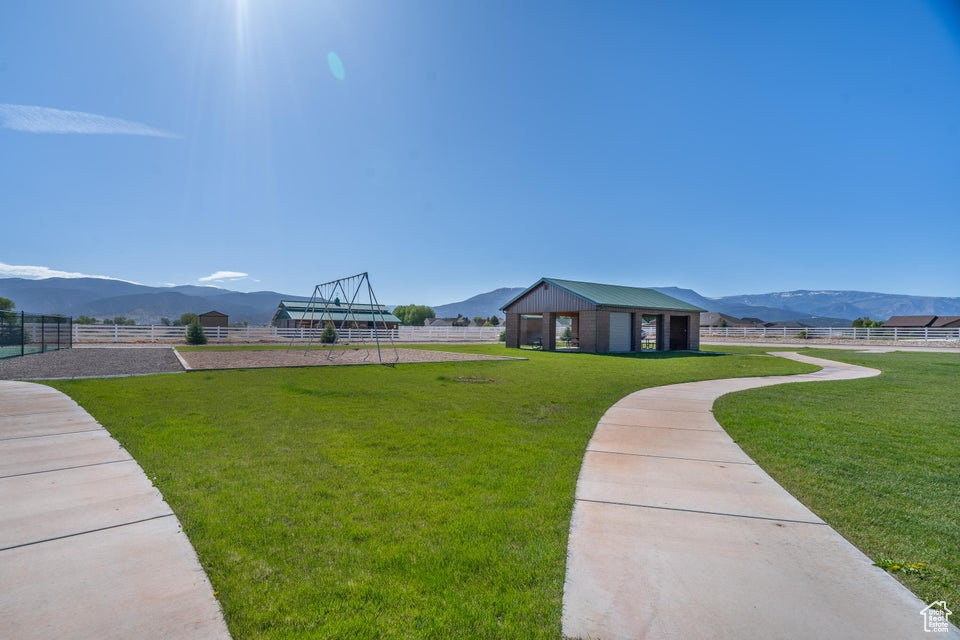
column 946, row 322
column 213, row 319
column 450, row 322
column 717, row 319
column 910, row 322
column 786, row 325
column 334, row 313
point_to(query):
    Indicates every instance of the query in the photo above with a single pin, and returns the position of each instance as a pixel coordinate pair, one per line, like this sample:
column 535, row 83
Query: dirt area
column 101, row 362
column 300, row 357
column 90, row 363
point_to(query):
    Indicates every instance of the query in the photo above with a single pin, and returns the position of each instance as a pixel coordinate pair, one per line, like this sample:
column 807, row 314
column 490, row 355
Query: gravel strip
column 87, row 363
column 319, row 357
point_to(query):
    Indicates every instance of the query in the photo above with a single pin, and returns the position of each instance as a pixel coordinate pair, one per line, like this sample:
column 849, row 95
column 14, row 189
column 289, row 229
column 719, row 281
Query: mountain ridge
column 103, row 298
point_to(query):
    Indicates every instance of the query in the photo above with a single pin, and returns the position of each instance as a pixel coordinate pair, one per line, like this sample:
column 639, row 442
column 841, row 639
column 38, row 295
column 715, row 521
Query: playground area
column 101, row 362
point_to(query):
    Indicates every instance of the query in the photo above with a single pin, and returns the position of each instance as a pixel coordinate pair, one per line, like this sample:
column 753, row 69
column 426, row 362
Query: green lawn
column 415, row 501
column 879, row 459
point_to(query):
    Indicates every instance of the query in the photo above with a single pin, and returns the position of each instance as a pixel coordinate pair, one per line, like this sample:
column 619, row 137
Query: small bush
column 195, row 334
column 328, row 335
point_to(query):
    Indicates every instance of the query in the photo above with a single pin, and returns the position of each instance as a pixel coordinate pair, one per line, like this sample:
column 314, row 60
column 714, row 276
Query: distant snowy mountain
column 813, row 308
column 850, row 304
column 735, row 309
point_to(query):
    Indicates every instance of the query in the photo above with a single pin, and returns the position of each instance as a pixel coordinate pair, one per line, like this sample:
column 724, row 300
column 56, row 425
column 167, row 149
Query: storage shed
column 213, row 319
column 605, row 318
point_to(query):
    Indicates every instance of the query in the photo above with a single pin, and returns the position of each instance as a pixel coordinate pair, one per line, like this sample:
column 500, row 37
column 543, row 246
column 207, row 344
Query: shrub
column 328, row 335
column 195, row 334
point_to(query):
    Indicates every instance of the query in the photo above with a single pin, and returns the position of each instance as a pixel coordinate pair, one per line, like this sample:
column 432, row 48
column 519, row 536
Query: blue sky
column 450, row 148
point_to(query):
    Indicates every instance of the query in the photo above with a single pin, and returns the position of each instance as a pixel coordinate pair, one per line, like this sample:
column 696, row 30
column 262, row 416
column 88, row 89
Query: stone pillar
column 694, row 337
column 663, row 343
column 549, row 339
column 512, row 327
column 575, row 329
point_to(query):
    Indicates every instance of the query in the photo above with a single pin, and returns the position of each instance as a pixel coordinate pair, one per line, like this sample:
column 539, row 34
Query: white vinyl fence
column 99, row 333
column 835, row 333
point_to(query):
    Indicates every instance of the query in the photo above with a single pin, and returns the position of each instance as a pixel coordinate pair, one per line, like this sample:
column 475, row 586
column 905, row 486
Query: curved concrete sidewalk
column 676, row 533
column 88, row 547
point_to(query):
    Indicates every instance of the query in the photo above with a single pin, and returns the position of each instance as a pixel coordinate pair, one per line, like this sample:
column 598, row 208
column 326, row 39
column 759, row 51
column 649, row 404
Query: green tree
column 864, row 322
column 119, row 320
column 478, row 321
column 195, row 334
column 187, row 319
column 85, row 320
column 6, row 304
column 328, row 335
column 165, row 322
column 494, row 321
column 413, row 315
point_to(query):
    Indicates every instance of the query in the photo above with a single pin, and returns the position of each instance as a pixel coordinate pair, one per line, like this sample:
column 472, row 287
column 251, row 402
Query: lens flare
column 336, row 66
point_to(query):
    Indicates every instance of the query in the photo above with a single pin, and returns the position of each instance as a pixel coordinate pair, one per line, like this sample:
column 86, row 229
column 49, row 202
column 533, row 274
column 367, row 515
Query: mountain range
column 103, row 298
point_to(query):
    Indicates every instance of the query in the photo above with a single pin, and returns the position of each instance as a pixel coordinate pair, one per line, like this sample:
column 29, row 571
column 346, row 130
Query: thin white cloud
column 20, row 117
column 39, row 273
column 223, row 276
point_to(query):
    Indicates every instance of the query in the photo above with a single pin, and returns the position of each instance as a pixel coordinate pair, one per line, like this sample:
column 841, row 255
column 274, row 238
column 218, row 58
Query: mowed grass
column 878, row 459
column 416, row 501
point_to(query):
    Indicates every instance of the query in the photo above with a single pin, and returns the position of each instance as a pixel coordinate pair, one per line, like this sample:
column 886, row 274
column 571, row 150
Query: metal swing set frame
column 337, row 300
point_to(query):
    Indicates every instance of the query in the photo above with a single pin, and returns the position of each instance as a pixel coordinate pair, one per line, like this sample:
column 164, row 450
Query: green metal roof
column 339, row 316
column 320, row 305
column 613, row 295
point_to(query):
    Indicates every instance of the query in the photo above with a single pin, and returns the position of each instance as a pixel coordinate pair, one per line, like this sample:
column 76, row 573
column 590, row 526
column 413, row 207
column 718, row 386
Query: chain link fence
column 23, row 333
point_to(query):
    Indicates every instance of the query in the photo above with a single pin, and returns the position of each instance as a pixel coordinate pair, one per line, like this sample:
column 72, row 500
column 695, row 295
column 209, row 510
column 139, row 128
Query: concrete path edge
column 88, row 546
column 677, row 533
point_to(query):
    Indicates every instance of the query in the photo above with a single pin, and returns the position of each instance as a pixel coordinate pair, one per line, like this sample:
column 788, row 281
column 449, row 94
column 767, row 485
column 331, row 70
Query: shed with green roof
column 604, row 318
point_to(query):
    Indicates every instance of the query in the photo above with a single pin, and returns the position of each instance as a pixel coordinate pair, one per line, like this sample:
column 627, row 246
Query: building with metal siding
column 605, row 318
column 303, row 313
